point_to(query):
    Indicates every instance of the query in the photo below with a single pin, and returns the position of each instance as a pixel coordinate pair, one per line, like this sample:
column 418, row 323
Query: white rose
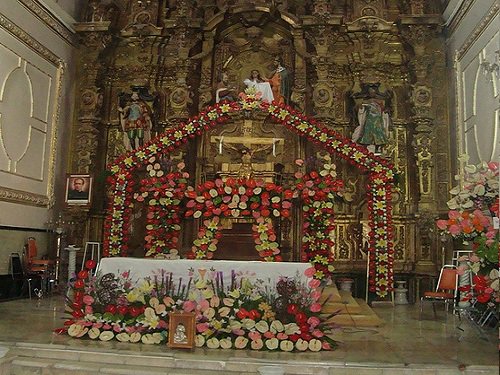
column 123, row 337
column 286, row 345
column 106, row 335
column 262, row 326
column 314, row 345
column 277, row 326
column 291, row 328
column 75, row 329
column 135, row 337
column 213, row 343
column 94, row 333
column 248, row 323
column 301, row 345
column 199, row 341
column 272, row 344
column 226, row 343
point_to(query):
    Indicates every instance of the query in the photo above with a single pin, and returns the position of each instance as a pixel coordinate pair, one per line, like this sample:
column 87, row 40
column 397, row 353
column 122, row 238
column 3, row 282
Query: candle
column 274, row 146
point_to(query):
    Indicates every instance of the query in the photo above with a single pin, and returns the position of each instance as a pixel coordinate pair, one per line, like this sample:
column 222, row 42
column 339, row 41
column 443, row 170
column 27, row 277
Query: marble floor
column 403, row 345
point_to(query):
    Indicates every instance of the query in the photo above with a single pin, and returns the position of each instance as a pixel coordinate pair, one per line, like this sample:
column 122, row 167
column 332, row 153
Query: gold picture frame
column 181, row 330
column 78, row 189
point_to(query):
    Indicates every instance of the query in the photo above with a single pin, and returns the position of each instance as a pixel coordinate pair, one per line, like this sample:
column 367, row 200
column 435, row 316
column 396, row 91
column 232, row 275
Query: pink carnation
column 201, row 327
column 313, row 321
column 314, row 283
column 189, row 306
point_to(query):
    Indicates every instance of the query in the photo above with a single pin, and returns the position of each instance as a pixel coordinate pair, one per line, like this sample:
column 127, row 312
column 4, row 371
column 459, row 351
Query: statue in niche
column 280, row 82
column 370, row 110
column 136, row 117
column 261, row 86
column 224, row 91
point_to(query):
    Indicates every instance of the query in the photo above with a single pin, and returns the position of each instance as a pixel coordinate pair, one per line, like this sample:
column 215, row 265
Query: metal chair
column 18, row 274
column 446, row 290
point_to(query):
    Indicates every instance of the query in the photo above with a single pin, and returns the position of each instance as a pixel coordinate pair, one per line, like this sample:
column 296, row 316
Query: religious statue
column 371, row 114
column 136, row 120
column 224, row 91
column 280, row 82
column 260, row 85
column 180, row 334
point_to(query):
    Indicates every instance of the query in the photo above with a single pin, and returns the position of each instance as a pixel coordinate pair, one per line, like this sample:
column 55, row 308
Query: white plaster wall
column 34, row 129
column 476, row 106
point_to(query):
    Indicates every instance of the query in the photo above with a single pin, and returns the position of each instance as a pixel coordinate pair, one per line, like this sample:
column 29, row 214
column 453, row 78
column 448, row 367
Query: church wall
column 473, row 47
column 36, row 49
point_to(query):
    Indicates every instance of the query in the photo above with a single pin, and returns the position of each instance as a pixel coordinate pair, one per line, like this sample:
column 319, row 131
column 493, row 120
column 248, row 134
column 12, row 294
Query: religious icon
column 78, row 189
column 224, row 90
column 136, row 117
column 181, row 330
column 371, row 114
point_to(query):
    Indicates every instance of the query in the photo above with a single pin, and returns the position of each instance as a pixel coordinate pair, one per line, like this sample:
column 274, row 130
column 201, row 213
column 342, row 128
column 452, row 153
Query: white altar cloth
column 181, row 268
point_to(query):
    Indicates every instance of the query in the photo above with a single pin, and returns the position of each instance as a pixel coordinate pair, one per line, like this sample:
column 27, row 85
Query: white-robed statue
column 260, row 85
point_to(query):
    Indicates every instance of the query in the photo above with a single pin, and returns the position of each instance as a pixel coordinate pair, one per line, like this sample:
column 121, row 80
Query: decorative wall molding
column 23, row 197
column 51, row 177
column 478, row 30
column 52, row 22
column 459, row 15
column 27, row 39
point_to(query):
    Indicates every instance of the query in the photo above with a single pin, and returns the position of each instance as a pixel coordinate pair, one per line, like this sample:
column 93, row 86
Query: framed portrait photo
column 78, row 189
column 181, row 330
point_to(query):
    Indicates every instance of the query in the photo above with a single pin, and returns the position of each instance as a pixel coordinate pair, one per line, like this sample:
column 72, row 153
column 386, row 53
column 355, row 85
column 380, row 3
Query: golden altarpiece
column 171, row 55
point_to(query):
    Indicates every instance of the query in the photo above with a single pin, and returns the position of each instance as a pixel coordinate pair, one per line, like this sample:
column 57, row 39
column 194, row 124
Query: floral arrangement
column 473, row 209
column 246, row 314
column 163, row 193
column 381, row 177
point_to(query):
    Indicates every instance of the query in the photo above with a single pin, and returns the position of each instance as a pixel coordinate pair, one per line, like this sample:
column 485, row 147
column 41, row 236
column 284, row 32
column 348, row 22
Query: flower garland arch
column 381, row 178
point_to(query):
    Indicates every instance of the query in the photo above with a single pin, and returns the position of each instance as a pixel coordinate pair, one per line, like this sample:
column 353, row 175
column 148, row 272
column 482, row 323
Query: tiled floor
column 403, row 345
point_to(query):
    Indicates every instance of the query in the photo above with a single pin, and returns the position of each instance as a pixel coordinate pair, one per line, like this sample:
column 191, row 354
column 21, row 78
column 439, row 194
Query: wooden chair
column 446, row 290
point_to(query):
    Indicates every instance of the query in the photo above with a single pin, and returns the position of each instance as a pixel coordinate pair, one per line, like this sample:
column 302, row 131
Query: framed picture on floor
column 78, row 189
column 181, row 330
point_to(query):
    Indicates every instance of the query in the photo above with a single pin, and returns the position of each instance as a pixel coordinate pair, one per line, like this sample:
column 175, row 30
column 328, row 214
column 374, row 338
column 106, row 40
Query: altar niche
column 316, row 249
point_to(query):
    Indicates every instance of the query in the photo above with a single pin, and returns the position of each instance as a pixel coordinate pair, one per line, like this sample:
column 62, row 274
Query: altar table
column 181, row 268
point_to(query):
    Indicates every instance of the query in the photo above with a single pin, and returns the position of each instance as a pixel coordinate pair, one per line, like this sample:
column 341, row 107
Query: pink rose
column 254, row 336
column 201, row 327
column 310, row 271
column 282, row 336
column 442, row 224
column 314, row 283
column 454, row 230
column 315, row 307
column 313, row 321
column 189, row 306
column 325, row 346
column 317, row 333
column 269, row 335
column 452, row 214
column 117, row 328
column 203, row 305
column 89, row 310
column 315, row 295
column 88, row 300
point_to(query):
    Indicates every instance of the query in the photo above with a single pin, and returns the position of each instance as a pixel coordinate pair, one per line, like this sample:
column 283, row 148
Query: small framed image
column 181, row 330
column 78, row 189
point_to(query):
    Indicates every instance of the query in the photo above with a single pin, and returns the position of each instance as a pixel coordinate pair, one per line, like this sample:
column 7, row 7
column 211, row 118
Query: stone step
column 345, row 304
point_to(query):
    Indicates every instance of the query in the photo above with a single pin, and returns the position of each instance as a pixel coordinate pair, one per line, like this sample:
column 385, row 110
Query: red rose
column 78, row 314
column 110, row 309
column 90, row 264
column 83, row 274
column 122, row 310
column 292, row 308
column 134, row 311
column 79, row 284
column 300, row 318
